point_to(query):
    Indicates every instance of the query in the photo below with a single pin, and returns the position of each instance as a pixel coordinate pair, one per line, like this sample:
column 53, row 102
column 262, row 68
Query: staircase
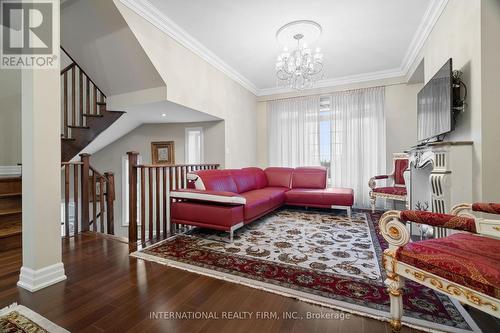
column 84, row 111
column 10, row 213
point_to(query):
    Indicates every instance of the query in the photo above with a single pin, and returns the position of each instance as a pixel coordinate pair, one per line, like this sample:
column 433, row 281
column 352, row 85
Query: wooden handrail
column 83, row 71
column 175, row 165
column 71, row 163
column 67, row 68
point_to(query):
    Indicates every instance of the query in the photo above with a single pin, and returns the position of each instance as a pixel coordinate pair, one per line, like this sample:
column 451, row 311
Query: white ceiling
column 150, row 113
column 362, row 38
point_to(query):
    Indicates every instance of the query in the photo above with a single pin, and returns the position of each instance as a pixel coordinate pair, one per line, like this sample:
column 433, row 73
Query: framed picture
column 163, row 152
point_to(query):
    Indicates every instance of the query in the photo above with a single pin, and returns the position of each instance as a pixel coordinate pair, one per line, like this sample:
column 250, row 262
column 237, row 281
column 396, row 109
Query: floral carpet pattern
column 20, row 319
column 316, row 256
column 14, row 322
column 326, row 243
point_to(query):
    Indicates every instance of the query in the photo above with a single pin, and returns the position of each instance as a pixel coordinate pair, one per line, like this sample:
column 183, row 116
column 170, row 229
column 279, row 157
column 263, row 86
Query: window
column 194, row 145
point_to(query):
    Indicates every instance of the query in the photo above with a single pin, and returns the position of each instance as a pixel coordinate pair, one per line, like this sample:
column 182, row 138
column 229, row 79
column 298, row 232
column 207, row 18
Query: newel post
column 85, row 159
column 132, row 196
column 110, row 199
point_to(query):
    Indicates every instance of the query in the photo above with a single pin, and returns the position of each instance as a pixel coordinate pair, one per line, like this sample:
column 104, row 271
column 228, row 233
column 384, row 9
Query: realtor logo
column 27, row 32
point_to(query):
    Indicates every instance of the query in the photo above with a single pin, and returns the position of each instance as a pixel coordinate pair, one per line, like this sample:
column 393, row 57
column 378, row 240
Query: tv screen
column 435, row 105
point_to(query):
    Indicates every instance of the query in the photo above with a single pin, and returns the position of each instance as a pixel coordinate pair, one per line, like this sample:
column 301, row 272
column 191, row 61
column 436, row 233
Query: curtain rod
column 329, row 93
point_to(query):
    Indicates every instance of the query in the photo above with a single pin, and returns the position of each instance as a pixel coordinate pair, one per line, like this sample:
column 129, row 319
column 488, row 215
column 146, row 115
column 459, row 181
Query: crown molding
column 150, row 13
column 431, row 16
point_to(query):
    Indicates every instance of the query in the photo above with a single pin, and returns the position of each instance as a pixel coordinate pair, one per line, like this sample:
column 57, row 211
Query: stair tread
column 11, row 230
column 9, row 178
column 10, row 195
column 92, row 115
column 10, row 211
column 83, row 127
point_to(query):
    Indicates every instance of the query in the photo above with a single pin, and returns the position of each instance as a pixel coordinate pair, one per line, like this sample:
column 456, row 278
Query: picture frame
column 163, row 152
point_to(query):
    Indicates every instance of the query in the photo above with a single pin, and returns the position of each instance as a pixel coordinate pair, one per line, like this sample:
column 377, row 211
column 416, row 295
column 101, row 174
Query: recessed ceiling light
column 163, row 114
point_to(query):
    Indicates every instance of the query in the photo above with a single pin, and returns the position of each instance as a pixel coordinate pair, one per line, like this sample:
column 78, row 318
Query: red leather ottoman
column 340, row 198
column 220, row 217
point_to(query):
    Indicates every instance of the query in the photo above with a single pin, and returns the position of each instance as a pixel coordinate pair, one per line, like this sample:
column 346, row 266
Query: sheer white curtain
column 293, row 128
column 358, row 139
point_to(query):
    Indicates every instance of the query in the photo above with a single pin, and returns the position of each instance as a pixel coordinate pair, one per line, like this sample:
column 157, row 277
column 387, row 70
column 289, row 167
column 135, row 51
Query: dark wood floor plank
column 109, row 291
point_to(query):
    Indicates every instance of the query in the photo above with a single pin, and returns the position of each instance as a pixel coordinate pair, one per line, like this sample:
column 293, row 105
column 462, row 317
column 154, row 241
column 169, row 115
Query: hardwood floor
column 108, row 291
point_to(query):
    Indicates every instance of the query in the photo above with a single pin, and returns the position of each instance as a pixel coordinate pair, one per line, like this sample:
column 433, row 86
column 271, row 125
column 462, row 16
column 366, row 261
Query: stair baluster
column 84, row 110
column 91, row 191
column 153, row 183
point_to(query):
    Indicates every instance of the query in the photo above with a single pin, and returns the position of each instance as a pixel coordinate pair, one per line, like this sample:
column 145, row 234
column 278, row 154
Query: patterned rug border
column 37, row 318
column 302, row 296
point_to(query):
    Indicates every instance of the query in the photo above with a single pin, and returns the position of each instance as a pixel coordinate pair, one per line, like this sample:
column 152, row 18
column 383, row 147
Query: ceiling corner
column 150, row 13
column 431, row 16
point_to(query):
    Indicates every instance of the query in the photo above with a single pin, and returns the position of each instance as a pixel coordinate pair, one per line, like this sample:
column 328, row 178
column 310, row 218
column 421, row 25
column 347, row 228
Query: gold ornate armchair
column 398, row 189
column 464, row 265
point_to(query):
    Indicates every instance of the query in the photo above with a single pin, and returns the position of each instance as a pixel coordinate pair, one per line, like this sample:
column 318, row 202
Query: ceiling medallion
column 298, row 67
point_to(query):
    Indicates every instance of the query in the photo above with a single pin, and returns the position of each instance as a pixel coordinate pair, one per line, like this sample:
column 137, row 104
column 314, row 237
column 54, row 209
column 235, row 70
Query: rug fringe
column 8, row 309
column 258, row 285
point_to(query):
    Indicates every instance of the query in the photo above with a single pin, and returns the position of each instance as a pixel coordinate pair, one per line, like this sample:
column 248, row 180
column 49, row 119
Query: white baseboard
column 10, row 170
column 34, row 280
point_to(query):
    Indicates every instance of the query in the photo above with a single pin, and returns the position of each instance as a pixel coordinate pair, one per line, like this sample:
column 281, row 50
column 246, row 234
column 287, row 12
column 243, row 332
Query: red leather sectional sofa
column 228, row 199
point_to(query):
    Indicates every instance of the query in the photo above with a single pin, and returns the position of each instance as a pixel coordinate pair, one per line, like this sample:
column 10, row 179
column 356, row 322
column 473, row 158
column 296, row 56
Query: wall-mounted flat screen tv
column 435, row 105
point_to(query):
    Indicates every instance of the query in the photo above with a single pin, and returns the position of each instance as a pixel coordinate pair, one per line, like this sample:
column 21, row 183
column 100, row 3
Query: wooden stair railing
column 149, row 189
column 92, row 195
column 84, row 111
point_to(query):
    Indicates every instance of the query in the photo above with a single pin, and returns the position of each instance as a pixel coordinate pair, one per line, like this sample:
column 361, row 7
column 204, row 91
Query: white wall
column 401, row 119
column 10, row 117
column 196, row 84
column 457, row 35
column 490, row 85
column 109, row 159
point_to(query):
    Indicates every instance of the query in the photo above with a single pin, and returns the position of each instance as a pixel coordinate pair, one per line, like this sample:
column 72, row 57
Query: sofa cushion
column 244, row 179
column 276, row 195
column 260, row 176
column 214, row 180
column 222, row 217
column 309, row 177
column 257, row 204
column 320, row 197
column 279, row 177
column 466, row 259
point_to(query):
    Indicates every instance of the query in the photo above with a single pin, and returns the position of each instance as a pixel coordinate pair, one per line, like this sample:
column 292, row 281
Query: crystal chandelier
column 299, row 68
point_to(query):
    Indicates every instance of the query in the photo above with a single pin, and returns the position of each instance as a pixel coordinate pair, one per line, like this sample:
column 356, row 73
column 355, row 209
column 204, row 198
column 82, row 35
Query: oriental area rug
column 19, row 319
column 317, row 256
